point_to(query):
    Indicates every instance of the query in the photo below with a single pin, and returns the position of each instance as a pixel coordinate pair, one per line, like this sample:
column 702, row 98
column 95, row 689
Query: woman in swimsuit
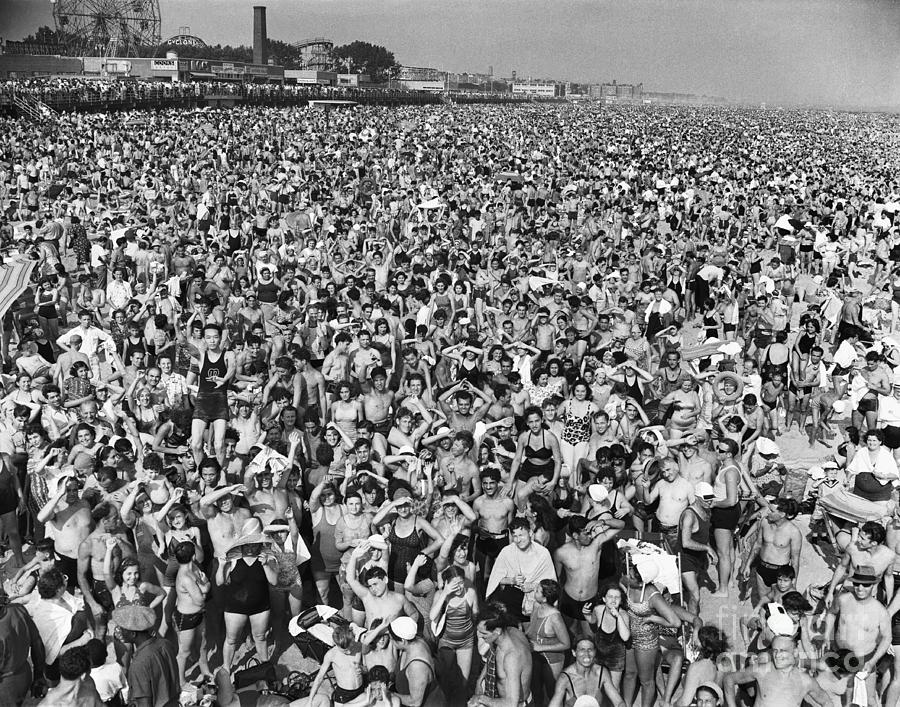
column 127, row 589
column 538, row 459
column 247, row 575
column 576, row 434
column 585, row 677
column 453, row 617
column 345, row 412
column 611, row 632
column 549, row 640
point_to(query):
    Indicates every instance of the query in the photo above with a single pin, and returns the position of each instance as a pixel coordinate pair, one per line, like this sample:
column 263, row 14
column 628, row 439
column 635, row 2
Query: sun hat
column 251, row 534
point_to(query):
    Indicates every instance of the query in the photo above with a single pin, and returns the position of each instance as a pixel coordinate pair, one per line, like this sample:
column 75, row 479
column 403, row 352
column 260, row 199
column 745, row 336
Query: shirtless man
column 316, row 399
column 505, row 680
column 580, row 558
column 68, row 520
column 870, row 550
column 502, row 406
column 464, row 417
column 378, row 601
column 585, row 677
column 674, row 492
column 336, row 366
column 224, row 519
column 495, row 512
column 458, row 468
column 861, row 629
column 779, row 683
column 778, row 543
column 377, row 402
column 91, row 563
column 363, row 360
column 692, row 466
column 266, row 501
column 191, row 588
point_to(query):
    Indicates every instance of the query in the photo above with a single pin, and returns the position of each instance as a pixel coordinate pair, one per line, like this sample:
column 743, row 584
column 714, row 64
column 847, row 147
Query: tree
column 371, row 59
column 44, row 35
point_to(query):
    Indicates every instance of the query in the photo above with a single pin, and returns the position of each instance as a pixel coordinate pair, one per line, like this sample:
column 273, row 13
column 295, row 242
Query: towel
column 860, row 694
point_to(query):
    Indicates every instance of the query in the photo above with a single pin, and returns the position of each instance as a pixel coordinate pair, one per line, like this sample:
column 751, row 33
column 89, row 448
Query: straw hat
column 251, row 534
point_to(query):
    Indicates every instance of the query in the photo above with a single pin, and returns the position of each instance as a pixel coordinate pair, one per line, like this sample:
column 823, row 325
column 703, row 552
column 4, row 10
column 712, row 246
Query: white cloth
column 882, row 465
column 53, row 623
column 534, row 564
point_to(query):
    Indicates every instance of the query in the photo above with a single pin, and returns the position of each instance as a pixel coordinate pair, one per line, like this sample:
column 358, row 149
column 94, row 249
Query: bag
column 310, row 647
column 255, row 673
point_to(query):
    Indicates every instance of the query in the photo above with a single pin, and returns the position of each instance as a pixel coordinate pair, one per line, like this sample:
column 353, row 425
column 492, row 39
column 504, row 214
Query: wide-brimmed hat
column 251, row 534
column 134, row 617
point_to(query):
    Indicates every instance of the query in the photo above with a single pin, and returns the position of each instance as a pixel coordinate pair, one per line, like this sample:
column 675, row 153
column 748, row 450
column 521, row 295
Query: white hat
column 764, row 445
column 704, row 490
column 816, row 472
column 839, row 406
column 377, row 542
column 586, row 701
column 404, row 627
column 714, row 688
column 406, row 451
column 598, row 493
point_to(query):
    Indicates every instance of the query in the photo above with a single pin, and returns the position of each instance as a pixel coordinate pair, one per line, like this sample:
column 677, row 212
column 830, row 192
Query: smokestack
column 259, row 35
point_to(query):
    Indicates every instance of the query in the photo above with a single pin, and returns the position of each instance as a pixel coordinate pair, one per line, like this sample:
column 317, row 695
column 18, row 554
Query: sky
column 843, row 53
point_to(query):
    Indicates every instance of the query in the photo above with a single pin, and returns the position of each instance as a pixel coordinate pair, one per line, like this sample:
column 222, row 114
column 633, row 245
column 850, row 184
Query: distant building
column 617, row 91
column 421, row 73
column 310, row 76
column 539, row 89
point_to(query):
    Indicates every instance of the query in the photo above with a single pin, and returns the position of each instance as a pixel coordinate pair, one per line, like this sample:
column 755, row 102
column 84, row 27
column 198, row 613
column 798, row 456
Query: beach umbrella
column 786, row 224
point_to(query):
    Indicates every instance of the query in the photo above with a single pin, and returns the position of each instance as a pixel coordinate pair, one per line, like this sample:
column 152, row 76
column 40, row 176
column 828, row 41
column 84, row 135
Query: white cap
column 764, row 445
column 779, row 623
column 377, row 542
column 839, row 406
column 704, row 490
column 816, row 472
column 406, row 451
column 404, row 627
column 586, row 701
column 598, row 493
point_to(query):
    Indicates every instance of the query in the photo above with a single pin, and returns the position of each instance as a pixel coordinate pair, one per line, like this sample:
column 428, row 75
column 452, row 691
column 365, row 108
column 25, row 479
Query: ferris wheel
column 108, row 27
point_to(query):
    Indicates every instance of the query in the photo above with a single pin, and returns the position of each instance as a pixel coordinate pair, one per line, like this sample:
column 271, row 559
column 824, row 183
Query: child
column 379, row 694
column 346, row 661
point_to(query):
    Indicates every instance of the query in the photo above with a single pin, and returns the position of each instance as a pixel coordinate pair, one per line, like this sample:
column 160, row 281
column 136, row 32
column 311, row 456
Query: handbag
column 252, row 674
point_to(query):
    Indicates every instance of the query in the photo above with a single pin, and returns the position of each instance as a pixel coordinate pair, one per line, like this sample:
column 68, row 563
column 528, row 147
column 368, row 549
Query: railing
column 30, row 107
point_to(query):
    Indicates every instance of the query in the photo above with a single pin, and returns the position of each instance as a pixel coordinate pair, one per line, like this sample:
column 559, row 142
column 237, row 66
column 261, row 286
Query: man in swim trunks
column 860, row 629
column 778, row 543
column 580, row 558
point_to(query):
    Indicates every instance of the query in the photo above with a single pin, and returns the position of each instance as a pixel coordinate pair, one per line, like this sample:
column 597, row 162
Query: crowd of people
column 508, row 390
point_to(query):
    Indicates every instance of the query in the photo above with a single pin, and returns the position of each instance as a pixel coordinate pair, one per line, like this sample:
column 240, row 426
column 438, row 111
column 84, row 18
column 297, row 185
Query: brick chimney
column 260, row 55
